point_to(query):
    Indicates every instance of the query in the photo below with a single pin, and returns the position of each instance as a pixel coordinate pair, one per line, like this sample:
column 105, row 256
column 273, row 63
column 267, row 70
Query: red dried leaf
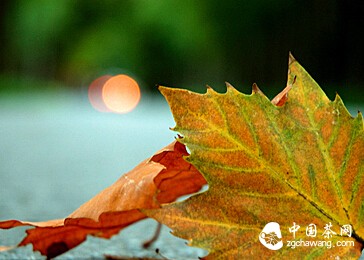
column 161, row 179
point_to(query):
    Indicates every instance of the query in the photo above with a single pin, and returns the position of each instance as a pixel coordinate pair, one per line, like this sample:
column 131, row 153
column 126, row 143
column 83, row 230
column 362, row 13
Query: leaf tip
column 291, row 59
column 161, row 89
column 228, row 85
column 255, row 89
column 209, row 90
column 360, row 115
column 337, row 97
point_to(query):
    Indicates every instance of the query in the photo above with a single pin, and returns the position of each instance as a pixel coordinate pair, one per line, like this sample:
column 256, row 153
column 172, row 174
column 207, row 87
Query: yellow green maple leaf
column 300, row 162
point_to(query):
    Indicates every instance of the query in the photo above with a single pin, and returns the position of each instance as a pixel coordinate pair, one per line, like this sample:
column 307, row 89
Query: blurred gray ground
column 56, row 152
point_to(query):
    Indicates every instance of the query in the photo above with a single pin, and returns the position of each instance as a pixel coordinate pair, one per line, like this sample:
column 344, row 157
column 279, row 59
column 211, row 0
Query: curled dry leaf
column 161, row 179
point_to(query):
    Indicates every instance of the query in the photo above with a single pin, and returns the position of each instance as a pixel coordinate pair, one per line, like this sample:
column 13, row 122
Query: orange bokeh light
column 118, row 94
column 121, row 94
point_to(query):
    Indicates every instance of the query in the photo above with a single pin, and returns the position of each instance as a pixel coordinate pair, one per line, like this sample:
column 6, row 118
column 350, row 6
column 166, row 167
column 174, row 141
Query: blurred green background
column 186, row 44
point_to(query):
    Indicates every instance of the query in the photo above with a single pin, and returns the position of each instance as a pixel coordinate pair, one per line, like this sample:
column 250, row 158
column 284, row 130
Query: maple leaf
column 160, row 179
column 272, row 238
column 299, row 158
